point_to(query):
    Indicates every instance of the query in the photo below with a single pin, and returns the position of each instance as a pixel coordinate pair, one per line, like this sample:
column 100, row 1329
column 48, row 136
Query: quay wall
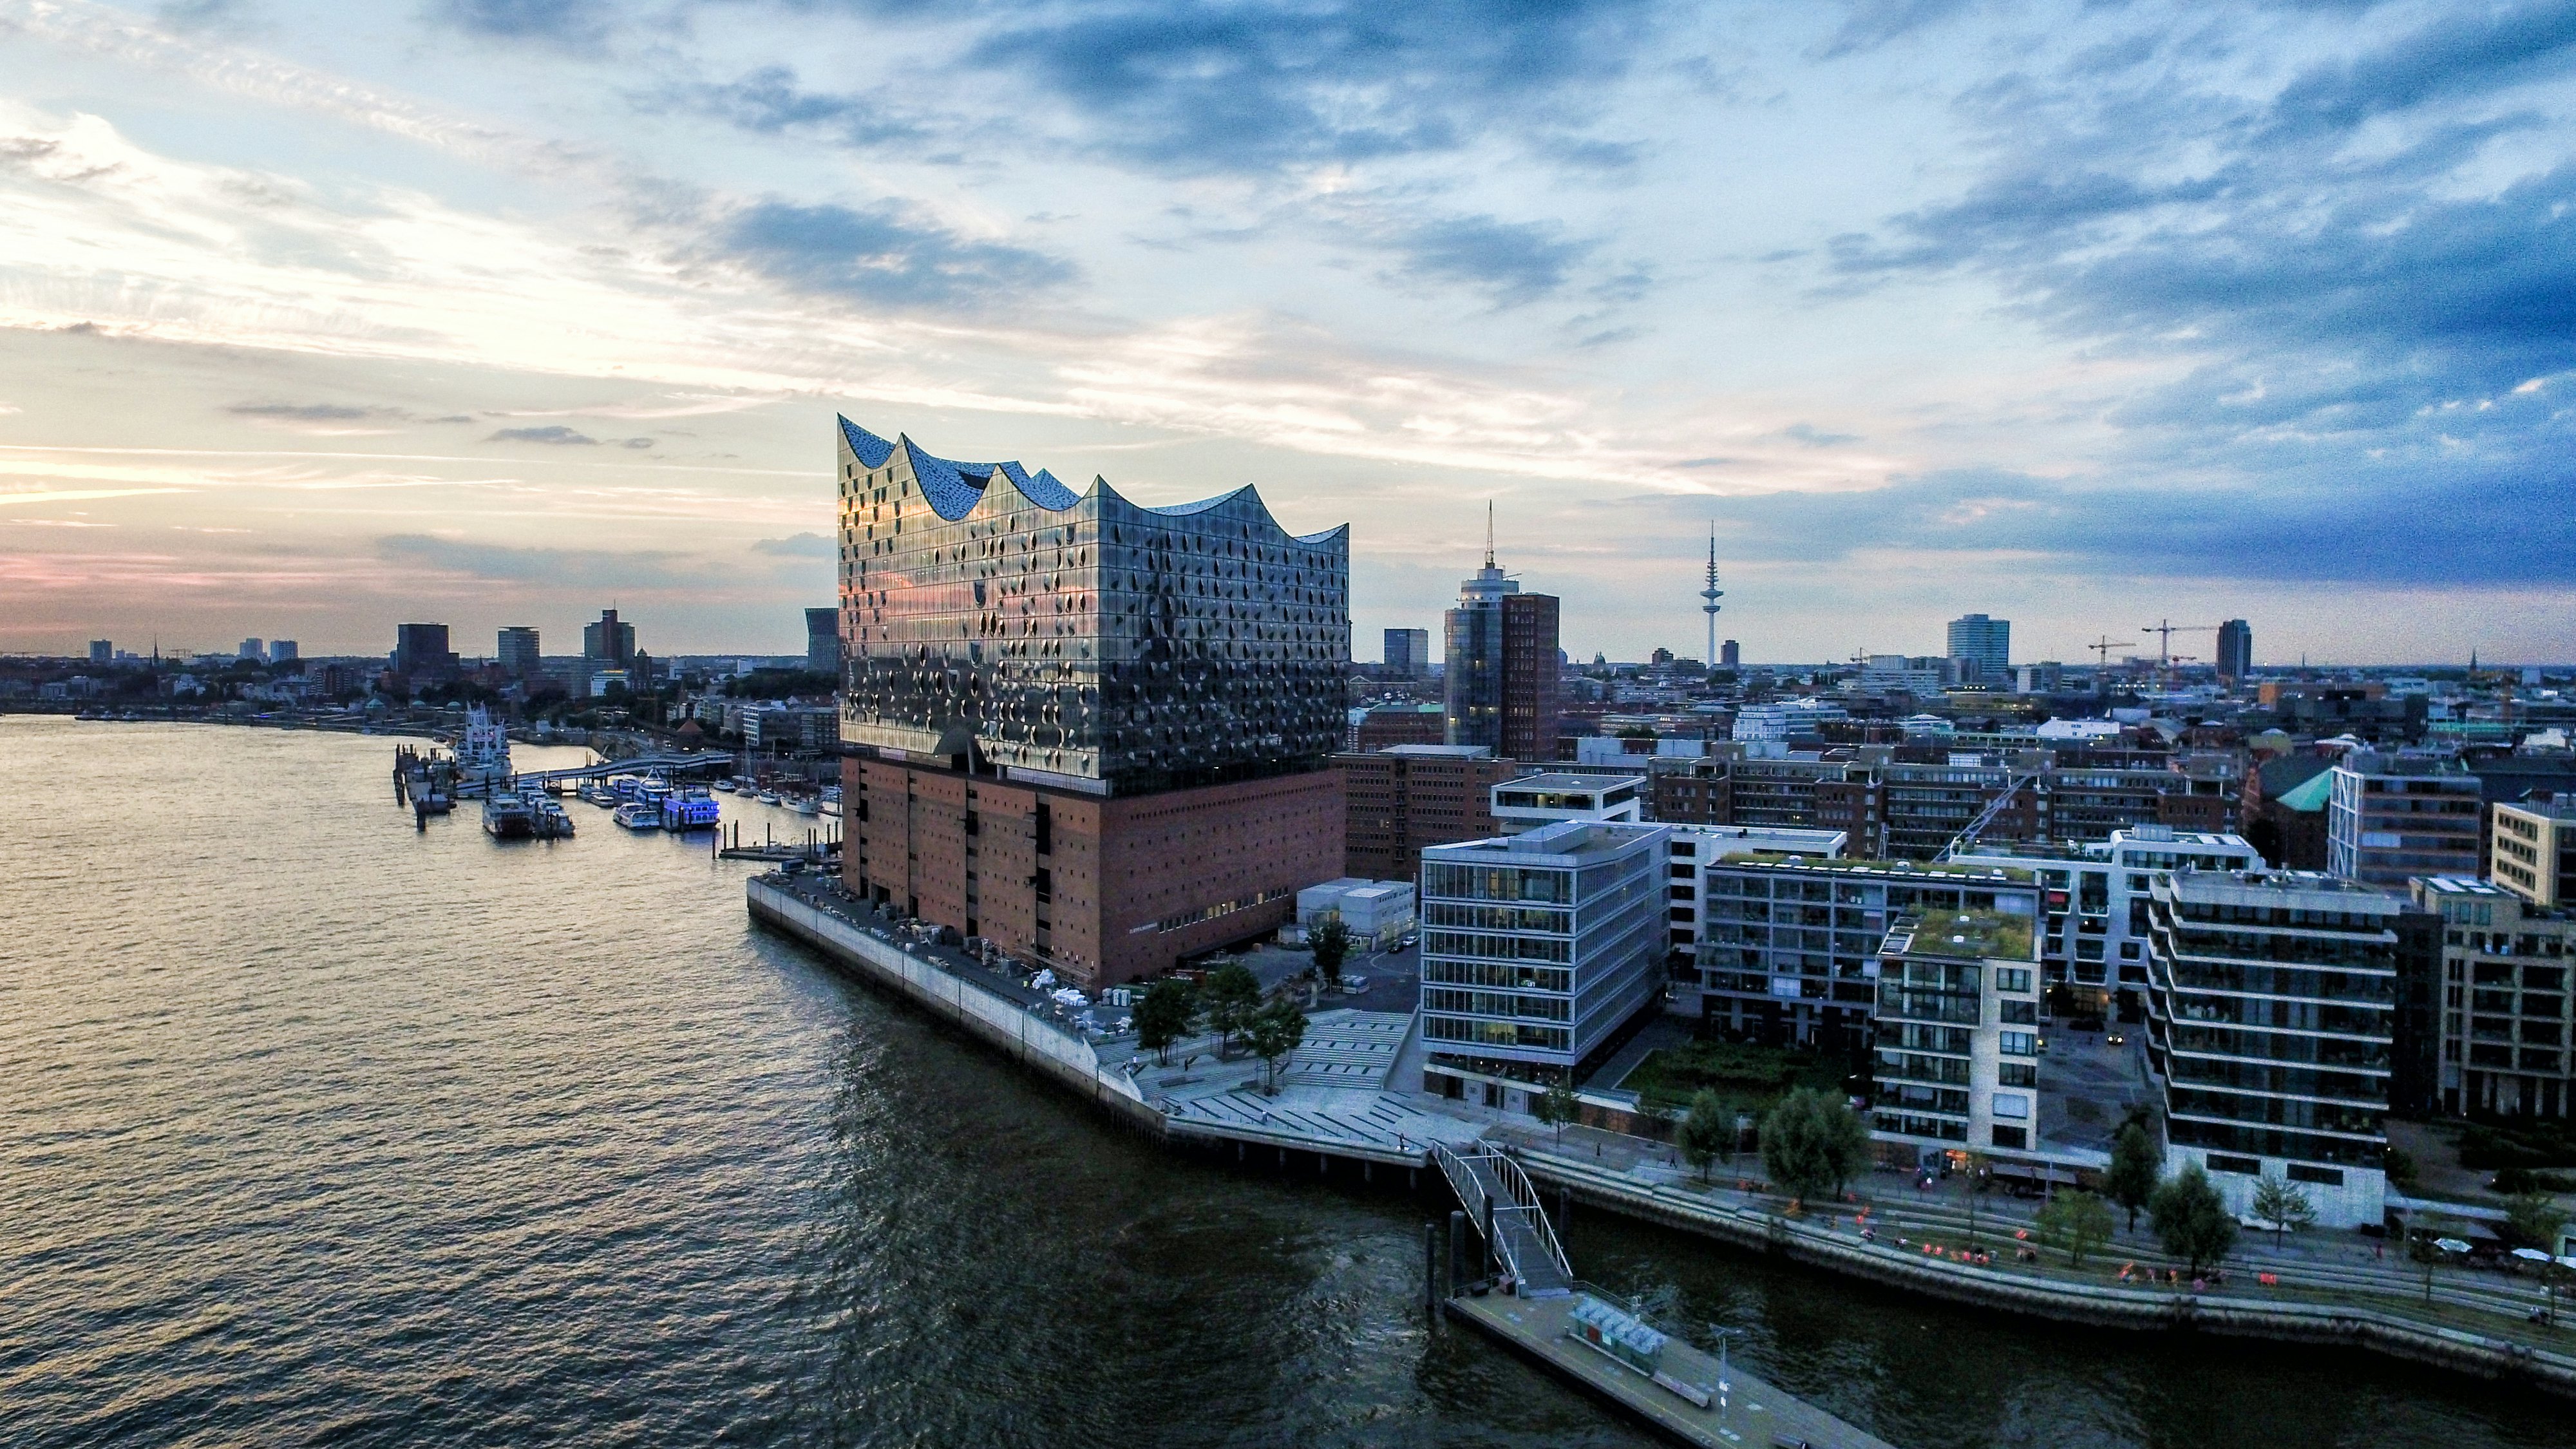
column 2471, row 1353
column 998, row 1021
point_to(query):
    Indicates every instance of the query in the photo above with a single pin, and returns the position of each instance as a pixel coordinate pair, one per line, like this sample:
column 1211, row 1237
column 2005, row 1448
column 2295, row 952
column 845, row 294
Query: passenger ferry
column 637, row 815
column 550, row 821
column 690, row 809
column 507, row 817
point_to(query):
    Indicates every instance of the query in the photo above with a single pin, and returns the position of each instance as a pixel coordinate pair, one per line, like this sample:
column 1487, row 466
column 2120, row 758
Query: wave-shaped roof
column 953, row 488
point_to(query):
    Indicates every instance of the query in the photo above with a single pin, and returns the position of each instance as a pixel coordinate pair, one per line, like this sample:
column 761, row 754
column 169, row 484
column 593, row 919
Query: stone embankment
column 2481, row 1355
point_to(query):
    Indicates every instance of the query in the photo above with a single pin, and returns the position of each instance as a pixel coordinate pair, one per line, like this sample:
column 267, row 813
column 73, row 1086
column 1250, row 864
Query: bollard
column 1430, row 1267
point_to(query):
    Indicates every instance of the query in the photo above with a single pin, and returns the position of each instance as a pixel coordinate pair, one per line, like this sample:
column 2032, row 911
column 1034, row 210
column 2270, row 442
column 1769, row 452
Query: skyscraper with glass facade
column 1985, row 646
column 1091, row 731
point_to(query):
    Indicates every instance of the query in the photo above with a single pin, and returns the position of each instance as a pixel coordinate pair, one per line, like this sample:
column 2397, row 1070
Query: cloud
column 1512, row 262
column 2466, row 52
column 1808, row 434
column 1873, row 23
column 565, row 567
column 797, row 545
column 1253, row 86
column 769, row 102
column 878, row 256
column 305, row 412
column 555, row 433
column 569, row 21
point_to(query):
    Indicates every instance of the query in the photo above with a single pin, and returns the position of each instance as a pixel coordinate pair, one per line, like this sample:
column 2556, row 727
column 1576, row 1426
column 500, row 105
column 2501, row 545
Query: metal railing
column 1506, row 1204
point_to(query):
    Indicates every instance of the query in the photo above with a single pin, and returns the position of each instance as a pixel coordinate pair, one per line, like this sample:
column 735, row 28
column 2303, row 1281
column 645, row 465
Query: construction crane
column 2164, row 630
column 2103, row 646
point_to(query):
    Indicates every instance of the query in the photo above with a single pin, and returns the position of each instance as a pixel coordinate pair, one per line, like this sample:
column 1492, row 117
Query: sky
column 317, row 318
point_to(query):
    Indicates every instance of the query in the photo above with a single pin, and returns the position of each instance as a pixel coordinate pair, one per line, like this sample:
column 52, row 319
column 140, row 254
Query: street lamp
column 1723, row 1387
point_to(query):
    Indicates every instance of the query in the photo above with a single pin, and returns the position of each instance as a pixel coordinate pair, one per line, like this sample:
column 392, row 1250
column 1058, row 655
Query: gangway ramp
column 1500, row 1198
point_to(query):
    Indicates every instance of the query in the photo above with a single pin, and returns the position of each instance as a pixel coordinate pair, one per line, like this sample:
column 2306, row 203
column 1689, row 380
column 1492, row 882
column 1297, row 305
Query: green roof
column 2311, row 794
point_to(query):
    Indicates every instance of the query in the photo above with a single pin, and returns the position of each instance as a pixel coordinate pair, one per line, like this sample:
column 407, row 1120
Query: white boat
column 804, row 804
column 483, row 755
column 767, row 797
column 725, row 784
column 639, row 815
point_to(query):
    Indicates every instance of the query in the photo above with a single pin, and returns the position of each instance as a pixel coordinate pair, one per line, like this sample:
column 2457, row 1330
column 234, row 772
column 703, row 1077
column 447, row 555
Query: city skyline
column 2077, row 318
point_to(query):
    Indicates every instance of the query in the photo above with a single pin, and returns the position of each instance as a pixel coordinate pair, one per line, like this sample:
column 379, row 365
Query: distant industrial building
column 2235, row 651
column 1408, row 653
column 1983, row 646
column 1501, row 667
column 517, row 651
column 1091, row 732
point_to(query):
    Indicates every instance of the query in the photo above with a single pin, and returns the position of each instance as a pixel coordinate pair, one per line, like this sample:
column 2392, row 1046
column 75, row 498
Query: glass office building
column 1537, row 950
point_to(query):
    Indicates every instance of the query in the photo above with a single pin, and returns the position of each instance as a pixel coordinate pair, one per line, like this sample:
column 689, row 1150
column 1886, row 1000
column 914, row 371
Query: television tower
column 1712, row 594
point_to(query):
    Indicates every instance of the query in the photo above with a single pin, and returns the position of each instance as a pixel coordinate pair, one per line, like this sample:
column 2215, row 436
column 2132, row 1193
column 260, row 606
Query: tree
column 1231, row 996
column 1556, row 1106
column 1707, row 1131
column 1163, row 1017
column 2283, row 1204
column 2135, row 1166
column 1273, row 1032
column 2076, row 1221
column 1332, row 942
column 2534, row 1218
column 2191, row 1220
column 1812, row 1144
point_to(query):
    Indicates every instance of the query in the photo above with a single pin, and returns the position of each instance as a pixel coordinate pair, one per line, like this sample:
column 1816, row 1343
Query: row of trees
column 1228, row 1002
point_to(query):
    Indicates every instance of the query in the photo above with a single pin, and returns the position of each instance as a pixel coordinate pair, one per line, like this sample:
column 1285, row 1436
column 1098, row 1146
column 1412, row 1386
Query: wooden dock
column 1751, row 1414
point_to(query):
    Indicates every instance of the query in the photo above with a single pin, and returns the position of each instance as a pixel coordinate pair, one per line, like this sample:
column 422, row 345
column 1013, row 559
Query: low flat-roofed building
column 1530, row 801
column 1540, row 952
column 1789, row 952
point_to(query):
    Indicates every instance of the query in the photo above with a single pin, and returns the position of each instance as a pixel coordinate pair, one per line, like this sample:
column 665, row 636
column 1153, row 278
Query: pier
column 1739, row 1409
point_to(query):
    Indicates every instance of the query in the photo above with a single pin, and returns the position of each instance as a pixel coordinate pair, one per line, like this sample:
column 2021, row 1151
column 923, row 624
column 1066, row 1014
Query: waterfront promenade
column 1338, row 1103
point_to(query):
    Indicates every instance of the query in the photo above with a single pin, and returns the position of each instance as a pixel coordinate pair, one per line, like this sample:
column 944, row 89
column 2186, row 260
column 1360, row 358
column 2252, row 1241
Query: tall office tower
column 1501, row 665
column 2235, row 650
column 102, row 651
column 1711, row 593
column 823, row 642
column 1729, row 655
column 1408, row 653
column 421, row 652
column 2278, row 1022
column 608, row 643
column 517, row 650
column 282, row 651
column 1986, row 642
column 1091, row 732
column 251, row 648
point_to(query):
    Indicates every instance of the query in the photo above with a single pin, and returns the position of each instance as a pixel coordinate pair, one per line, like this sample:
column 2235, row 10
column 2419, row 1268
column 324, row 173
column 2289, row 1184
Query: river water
column 315, row 1128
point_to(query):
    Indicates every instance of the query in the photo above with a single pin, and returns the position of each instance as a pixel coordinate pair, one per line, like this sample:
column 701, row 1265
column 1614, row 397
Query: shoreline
column 1071, row 1064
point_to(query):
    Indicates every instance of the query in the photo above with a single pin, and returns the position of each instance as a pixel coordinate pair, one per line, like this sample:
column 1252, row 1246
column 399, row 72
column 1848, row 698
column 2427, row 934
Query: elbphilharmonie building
column 1089, row 730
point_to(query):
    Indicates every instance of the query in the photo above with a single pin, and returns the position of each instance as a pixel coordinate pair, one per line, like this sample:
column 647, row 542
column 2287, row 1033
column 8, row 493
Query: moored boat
column 507, row 817
column 637, row 815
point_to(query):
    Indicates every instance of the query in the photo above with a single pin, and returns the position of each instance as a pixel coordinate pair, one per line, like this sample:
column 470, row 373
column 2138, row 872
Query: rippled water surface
column 315, row 1128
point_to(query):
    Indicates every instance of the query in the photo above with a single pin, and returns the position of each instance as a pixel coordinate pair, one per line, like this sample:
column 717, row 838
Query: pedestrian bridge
column 700, row 760
column 1505, row 1207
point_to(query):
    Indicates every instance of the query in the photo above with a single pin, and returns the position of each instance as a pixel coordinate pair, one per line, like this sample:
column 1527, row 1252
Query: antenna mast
column 1489, row 533
column 1712, row 593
